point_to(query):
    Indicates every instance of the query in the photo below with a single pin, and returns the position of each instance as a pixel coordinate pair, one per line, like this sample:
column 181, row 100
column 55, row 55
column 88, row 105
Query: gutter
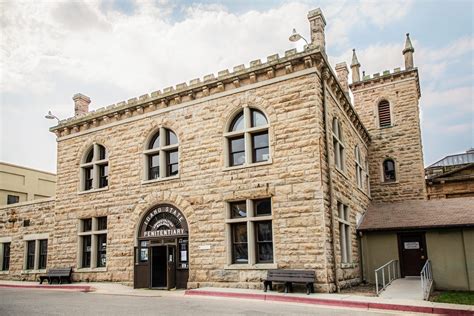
column 325, row 73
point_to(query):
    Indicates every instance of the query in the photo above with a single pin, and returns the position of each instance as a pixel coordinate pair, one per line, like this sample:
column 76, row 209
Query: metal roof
column 453, row 160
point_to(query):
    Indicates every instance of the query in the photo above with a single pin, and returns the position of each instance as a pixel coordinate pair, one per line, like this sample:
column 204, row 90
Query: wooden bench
column 288, row 277
column 59, row 274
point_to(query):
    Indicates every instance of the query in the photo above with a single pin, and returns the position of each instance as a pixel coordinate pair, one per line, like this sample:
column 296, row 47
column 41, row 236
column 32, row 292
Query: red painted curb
column 329, row 302
column 79, row 288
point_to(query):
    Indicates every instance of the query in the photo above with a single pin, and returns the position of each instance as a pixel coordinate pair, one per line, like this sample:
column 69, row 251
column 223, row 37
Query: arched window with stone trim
column 337, row 142
column 384, row 114
column 247, row 138
column 161, row 155
column 389, row 170
column 95, row 168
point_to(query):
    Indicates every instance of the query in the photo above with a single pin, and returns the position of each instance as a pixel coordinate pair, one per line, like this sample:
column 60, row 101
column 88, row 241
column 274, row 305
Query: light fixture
column 51, row 116
column 296, row 37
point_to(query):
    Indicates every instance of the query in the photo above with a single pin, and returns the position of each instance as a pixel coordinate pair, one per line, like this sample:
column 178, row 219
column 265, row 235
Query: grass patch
column 454, row 297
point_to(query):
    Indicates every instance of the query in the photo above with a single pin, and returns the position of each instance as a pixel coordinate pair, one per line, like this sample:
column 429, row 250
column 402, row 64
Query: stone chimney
column 317, row 22
column 342, row 76
column 355, row 67
column 81, row 104
column 408, row 53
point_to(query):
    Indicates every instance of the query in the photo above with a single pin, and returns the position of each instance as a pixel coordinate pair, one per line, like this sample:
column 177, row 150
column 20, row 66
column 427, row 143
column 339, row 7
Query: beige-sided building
column 20, row 184
column 269, row 165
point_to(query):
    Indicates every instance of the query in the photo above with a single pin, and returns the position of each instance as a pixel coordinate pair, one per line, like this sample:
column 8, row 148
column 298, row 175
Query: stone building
column 215, row 181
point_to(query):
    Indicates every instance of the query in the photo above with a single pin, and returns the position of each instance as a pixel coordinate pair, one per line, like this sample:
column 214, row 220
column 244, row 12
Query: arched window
column 358, row 166
column 389, row 173
column 385, row 119
column 95, row 168
column 247, row 138
column 338, row 146
column 161, row 155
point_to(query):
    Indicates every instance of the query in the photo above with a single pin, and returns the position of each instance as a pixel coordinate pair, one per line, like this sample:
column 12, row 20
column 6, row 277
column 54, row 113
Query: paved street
column 49, row 302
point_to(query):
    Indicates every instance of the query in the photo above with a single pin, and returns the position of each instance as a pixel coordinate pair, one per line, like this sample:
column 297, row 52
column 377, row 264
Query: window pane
column 6, row 257
column 258, row 118
column 144, row 251
column 104, row 176
column 263, row 207
column 260, row 150
column 86, row 251
column 88, row 176
column 171, row 138
column 102, row 223
column 237, row 151
column 102, row 152
column 264, row 231
column 172, row 163
column 155, row 142
column 239, row 241
column 260, row 140
column 30, row 260
column 43, row 254
column 90, row 155
column 154, row 167
column 238, row 123
column 264, row 241
column 12, row 199
column 261, row 154
column 265, row 252
column 238, row 209
column 87, row 225
column 101, row 250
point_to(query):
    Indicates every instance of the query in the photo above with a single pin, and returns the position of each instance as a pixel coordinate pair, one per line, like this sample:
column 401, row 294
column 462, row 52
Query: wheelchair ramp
column 408, row 288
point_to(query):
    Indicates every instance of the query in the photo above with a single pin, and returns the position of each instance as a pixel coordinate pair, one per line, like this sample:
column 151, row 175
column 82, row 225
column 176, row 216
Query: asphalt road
column 47, row 302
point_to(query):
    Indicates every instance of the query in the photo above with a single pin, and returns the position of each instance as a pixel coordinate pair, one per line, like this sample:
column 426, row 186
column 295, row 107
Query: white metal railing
column 388, row 272
column 426, row 279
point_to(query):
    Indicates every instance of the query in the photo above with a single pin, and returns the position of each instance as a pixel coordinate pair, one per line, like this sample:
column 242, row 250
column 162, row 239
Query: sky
column 116, row 50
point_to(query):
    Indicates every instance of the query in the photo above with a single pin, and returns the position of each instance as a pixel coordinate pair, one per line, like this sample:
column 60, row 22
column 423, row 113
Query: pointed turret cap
column 408, row 45
column 355, row 62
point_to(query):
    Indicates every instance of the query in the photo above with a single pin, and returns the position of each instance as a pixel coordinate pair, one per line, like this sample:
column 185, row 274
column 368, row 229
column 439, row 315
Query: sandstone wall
column 12, row 219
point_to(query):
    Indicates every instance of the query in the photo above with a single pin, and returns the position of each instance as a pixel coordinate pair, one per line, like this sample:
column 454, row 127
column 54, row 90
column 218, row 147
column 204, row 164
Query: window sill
column 363, row 192
column 389, row 182
column 79, row 270
column 348, row 265
column 93, row 190
column 5, row 272
column 159, row 180
column 257, row 266
column 255, row 164
column 341, row 172
column 33, row 271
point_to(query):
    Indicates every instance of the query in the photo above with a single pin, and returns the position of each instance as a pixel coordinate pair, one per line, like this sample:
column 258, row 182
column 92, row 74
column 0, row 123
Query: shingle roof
column 419, row 214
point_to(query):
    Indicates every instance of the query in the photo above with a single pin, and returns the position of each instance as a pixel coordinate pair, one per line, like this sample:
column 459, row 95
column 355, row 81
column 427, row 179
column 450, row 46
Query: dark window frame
column 6, row 256
column 389, row 174
column 43, row 254
column 13, row 199
column 161, row 147
column 232, row 162
column 30, row 254
column 384, row 114
column 238, row 244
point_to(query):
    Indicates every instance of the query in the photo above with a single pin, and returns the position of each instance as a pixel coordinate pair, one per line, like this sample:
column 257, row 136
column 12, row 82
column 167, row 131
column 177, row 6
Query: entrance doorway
column 161, row 254
column 412, row 251
column 163, row 266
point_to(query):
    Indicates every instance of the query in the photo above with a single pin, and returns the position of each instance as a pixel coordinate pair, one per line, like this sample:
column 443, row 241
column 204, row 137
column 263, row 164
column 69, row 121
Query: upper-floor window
column 247, row 138
column 338, row 146
column 95, row 168
column 344, row 232
column 161, row 155
column 358, row 166
column 12, row 199
column 389, row 172
column 385, row 118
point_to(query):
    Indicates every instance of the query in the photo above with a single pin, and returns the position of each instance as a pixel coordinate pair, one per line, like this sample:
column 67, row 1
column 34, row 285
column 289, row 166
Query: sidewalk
column 323, row 299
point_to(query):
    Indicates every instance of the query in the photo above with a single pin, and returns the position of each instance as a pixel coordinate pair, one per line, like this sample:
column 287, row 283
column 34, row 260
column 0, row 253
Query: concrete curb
column 330, row 302
column 77, row 288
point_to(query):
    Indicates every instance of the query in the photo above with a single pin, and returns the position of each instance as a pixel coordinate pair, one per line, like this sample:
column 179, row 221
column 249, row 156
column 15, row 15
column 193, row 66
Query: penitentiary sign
column 164, row 220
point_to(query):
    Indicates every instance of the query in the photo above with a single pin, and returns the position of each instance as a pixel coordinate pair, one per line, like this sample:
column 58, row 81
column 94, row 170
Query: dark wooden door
column 158, row 267
column 141, row 278
column 412, row 253
column 171, row 256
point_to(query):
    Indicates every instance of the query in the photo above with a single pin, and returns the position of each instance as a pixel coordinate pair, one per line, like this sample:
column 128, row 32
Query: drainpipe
column 324, row 76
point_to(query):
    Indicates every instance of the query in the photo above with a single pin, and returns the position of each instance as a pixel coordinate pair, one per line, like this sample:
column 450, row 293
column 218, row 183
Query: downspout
column 324, row 76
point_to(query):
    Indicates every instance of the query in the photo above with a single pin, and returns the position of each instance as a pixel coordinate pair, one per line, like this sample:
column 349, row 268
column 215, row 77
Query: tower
column 388, row 106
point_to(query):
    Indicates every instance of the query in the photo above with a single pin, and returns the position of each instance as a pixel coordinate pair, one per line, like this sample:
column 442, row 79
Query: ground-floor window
column 5, row 256
column 344, row 232
column 36, row 253
column 249, row 231
column 93, row 242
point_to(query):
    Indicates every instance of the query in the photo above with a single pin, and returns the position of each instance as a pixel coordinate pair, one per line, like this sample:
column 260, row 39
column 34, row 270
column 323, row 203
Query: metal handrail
column 426, row 275
column 392, row 272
